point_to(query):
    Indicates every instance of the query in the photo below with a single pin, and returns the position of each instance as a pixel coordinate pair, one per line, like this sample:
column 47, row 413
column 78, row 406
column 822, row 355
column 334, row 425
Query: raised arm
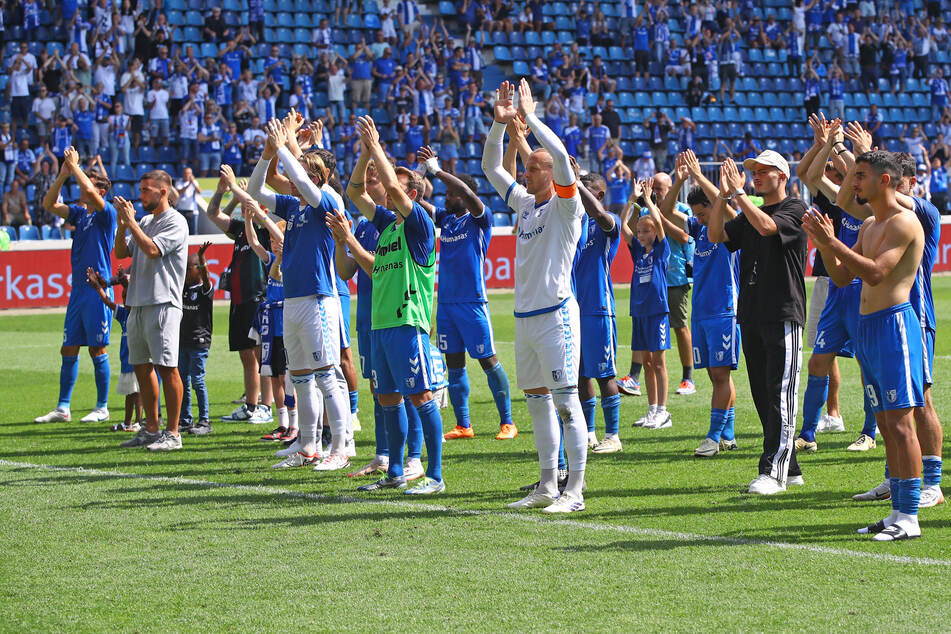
column 50, row 198
column 222, row 220
column 504, row 111
column 256, row 187
column 718, row 216
column 203, row 266
column 668, row 206
column 563, row 175
column 370, row 137
column 654, row 211
column 250, row 210
column 344, row 239
column 761, row 222
column 592, row 206
column 357, row 186
column 99, row 283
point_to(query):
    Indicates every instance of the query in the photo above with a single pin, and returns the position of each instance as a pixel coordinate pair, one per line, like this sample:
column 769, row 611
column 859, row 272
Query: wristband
column 739, row 192
column 420, row 169
column 432, row 165
column 722, row 197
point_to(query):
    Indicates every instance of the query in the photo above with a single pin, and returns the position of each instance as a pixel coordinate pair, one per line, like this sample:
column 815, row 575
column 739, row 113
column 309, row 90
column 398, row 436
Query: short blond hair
column 415, row 180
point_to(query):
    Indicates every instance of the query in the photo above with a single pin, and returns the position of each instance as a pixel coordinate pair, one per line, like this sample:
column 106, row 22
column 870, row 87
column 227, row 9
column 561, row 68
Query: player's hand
column 251, row 210
column 680, row 168
column 202, row 249
column 125, row 212
column 648, row 187
column 860, row 137
column 92, row 276
column 575, row 167
column 369, row 135
column 735, row 179
column 526, row 103
column 504, row 109
column 692, row 163
column 724, row 181
column 227, row 174
column 818, row 227
column 516, row 128
column 71, row 157
column 339, row 226
column 276, row 133
column 637, row 189
column 293, row 120
column 425, row 153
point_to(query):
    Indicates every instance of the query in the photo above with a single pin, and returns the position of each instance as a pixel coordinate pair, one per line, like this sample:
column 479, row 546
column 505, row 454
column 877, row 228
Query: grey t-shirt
column 159, row 280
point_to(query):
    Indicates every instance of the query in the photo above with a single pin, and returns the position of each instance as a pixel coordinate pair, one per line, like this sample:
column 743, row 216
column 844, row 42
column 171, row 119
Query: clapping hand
column 504, row 110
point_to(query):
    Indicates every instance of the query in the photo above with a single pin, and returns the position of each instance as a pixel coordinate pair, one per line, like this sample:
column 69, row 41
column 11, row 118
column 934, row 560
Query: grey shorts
column 817, row 302
column 152, row 335
column 678, row 304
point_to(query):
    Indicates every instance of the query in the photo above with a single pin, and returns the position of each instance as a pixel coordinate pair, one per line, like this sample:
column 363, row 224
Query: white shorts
column 817, row 302
column 127, row 384
column 312, row 332
column 547, row 348
column 152, row 335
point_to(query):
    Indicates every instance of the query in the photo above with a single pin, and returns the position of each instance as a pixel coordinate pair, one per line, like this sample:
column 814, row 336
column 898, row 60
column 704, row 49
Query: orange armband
column 566, row 191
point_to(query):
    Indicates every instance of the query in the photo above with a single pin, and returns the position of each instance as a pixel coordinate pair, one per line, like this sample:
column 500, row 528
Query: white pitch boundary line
column 529, row 518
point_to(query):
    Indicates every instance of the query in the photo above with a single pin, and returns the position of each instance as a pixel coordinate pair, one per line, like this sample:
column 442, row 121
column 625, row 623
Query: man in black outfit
column 772, row 304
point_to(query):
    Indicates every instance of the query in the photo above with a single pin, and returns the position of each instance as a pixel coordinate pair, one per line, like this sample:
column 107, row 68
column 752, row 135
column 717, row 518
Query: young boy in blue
column 127, row 385
column 647, row 242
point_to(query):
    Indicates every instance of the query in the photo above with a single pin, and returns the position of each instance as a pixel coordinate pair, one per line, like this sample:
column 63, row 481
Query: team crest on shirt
column 719, row 355
column 557, row 375
column 411, row 382
column 318, row 355
column 891, row 395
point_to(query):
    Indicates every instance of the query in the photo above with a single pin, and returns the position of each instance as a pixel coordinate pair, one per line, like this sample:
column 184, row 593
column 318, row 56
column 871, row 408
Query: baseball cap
column 922, row 167
column 771, row 158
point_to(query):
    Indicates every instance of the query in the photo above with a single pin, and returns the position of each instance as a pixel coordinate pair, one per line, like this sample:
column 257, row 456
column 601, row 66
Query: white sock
column 382, row 459
column 282, row 417
column 338, row 409
column 292, row 418
column 311, row 409
column 661, row 409
column 606, row 436
column 575, row 428
column 545, row 432
column 652, row 409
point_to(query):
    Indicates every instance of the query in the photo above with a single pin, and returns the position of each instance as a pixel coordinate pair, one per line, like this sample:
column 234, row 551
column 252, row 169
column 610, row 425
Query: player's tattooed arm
column 222, row 220
column 453, row 184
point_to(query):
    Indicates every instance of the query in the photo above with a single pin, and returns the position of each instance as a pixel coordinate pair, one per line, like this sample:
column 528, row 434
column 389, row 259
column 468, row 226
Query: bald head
column 662, row 185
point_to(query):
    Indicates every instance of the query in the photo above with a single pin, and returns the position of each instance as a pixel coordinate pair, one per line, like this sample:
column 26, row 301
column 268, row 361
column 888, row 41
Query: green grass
column 87, row 549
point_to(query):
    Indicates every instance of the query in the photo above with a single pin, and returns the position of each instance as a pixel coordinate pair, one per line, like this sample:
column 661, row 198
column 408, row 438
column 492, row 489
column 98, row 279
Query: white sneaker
column 296, row 459
column 830, row 424
column 609, row 444
column 261, row 415
column 566, row 503
column 350, row 448
column 766, row 485
column 707, row 449
column 413, row 469
column 930, row 496
column 291, row 449
column 98, row 415
column 660, row 420
column 628, row 386
column 240, row 414
column 882, row 492
column 333, row 462
column 355, row 423
column 864, row 443
column 533, row 500
column 795, row 481
column 643, row 420
column 58, row 415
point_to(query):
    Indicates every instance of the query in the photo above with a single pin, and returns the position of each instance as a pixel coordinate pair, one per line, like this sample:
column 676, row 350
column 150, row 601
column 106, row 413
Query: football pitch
column 96, row 538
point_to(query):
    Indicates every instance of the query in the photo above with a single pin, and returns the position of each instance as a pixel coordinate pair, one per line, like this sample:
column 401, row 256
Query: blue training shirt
column 308, row 247
column 716, row 274
column 274, row 299
column 463, row 244
column 920, row 297
column 680, row 254
column 593, row 269
column 649, row 283
column 93, row 239
column 420, row 231
column 368, row 236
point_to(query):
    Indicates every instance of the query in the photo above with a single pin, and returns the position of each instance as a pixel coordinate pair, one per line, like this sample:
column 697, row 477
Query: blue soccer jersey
column 93, row 239
column 849, row 229
column 122, row 316
column 716, row 273
column 593, row 269
column 308, row 248
column 921, row 299
column 649, row 283
column 274, row 300
column 420, row 231
column 367, row 235
column 463, row 243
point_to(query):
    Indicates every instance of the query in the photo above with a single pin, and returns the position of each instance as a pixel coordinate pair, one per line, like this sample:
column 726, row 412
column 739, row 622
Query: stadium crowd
column 296, row 243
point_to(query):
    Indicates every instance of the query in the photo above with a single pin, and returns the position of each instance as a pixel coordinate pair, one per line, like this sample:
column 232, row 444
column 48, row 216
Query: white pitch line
column 521, row 517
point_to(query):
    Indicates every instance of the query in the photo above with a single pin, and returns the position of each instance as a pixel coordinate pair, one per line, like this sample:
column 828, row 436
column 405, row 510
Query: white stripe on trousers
column 788, row 400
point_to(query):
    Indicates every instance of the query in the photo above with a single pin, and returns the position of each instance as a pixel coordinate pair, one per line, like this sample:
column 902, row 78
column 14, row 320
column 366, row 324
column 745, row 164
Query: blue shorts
column 401, row 361
column 892, row 357
column 344, row 322
column 366, row 355
column 88, row 321
column 838, row 324
column 928, row 343
column 650, row 332
column 126, row 367
column 465, row 328
column 716, row 342
column 598, row 346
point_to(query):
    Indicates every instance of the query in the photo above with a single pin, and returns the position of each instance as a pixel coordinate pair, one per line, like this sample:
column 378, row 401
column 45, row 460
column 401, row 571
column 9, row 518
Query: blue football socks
column 100, row 366
column 459, row 395
column 587, row 408
column 499, row 386
column 432, row 432
column 611, row 406
column 414, row 431
column 68, row 372
column 817, row 391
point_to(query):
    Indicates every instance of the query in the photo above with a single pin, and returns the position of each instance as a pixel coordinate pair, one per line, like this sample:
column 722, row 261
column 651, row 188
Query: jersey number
column 443, row 344
column 870, row 393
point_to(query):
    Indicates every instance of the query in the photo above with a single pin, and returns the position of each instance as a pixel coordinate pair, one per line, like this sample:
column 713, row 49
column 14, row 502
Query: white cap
column 771, row 158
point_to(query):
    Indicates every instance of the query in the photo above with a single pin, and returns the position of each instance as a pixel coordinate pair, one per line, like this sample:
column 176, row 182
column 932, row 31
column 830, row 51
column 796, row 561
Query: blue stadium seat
column 123, row 173
column 193, row 18
column 521, row 69
column 191, row 34
column 503, row 53
column 142, row 168
column 176, row 18
column 10, row 231
column 29, row 232
column 122, row 189
column 49, row 232
column 533, row 39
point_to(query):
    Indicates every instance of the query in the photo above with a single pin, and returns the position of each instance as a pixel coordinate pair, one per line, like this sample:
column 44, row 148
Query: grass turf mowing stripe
column 594, row 526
